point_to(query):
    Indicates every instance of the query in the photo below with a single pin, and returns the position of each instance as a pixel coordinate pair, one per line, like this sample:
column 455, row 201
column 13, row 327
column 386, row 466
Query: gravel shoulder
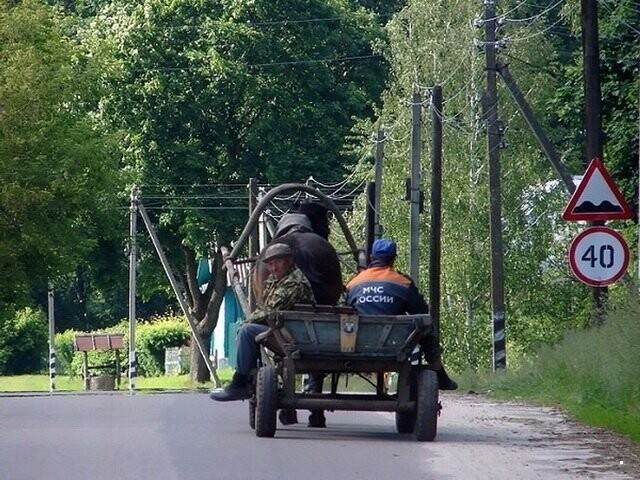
column 479, row 437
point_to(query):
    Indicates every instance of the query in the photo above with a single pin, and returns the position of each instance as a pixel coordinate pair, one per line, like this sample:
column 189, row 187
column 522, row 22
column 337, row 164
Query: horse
column 306, row 231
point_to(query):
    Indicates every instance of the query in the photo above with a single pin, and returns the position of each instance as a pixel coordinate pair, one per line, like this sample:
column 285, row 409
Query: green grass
column 593, row 374
column 40, row 383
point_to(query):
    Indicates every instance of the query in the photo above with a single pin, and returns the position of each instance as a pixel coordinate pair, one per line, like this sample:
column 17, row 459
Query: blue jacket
column 381, row 290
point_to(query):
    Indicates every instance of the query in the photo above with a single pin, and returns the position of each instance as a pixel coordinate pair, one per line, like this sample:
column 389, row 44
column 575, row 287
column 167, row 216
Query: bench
column 99, row 341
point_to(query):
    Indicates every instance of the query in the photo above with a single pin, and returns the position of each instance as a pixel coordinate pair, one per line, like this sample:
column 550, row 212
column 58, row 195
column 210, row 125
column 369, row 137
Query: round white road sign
column 598, row 256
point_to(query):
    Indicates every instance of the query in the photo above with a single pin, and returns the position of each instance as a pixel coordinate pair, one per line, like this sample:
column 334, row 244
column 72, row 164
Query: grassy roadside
column 594, row 375
column 40, row 383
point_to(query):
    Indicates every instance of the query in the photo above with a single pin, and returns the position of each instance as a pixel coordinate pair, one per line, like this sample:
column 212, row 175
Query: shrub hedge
column 152, row 338
column 23, row 341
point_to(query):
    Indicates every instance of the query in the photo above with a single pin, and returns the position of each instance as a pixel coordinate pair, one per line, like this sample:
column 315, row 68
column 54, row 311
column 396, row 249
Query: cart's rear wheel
column 266, row 401
column 426, row 424
column 405, row 421
column 252, row 413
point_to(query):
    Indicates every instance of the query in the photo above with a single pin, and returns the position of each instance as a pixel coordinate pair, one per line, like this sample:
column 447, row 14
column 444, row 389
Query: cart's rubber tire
column 252, row 413
column 405, row 422
column 426, row 424
column 266, row 401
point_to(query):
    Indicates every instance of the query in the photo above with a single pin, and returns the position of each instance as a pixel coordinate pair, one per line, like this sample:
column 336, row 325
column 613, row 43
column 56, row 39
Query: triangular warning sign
column 597, row 197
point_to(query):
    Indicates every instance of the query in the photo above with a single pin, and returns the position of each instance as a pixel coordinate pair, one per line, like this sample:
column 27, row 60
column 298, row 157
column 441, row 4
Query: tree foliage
column 215, row 93
column 56, row 170
column 434, row 43
column 619, row 69
column 23, row 341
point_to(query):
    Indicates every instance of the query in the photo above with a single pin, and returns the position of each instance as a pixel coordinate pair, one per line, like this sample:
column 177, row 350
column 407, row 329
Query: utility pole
column 377, row 228
column 494, row 136
column 414, row 186
column 436, row 208
column 370, row 216
column 593, row 117
column 254, row 244
column 133, row 266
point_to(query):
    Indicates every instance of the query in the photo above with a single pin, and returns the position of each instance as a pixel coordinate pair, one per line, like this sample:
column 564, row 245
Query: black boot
column 444, row 382
column 317, row 419
column 288, row 416
column 238, row 389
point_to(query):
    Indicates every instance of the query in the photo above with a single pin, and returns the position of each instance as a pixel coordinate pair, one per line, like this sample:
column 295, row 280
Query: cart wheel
column 252, row 413
column 266, row 401
column 405, row 422
column 427, row 406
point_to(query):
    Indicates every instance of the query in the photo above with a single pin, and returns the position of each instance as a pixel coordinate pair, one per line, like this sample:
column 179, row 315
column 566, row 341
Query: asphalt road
column 188, row 436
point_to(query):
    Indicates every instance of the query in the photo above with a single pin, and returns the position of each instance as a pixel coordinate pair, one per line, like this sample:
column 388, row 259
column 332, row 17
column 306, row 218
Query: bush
column 151, row 341
column 65, row 352
column 23, row 342
column 153, row 338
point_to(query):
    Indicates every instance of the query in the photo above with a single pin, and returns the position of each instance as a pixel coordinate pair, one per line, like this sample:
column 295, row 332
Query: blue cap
column 383, row 247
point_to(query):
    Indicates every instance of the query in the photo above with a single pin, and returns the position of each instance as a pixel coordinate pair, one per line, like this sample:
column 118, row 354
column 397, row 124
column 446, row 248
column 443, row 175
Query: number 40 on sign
column 598, row 256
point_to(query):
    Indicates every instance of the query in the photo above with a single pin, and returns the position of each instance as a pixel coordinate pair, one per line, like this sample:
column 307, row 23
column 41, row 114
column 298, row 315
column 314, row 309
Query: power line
column 322, row 60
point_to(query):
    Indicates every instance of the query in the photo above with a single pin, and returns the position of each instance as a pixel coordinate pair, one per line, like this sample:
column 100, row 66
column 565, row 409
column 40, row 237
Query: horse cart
column 334, row 341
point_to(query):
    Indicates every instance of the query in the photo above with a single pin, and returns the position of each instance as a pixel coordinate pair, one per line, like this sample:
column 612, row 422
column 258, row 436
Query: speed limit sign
column 598, row 256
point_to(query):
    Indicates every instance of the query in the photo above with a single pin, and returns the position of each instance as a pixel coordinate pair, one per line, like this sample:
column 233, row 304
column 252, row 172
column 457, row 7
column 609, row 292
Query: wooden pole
column 593, row 119
column 494, row 136
column 414, row 188
column 377, row 228
column 254, row 244
column 436, row 208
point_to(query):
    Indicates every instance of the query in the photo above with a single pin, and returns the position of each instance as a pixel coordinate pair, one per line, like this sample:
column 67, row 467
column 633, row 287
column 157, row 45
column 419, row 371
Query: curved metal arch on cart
column 300, row 187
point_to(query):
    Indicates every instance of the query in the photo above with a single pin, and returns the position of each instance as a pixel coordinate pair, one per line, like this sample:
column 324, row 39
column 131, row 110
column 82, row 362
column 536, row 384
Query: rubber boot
column 444, row 381
column 238, row 389
column 288, row 416
column 317, row 418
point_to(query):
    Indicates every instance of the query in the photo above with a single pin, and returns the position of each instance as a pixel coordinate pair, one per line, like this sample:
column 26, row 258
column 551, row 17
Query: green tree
column 433, row 42
column 56, row 169
column 218, row 92
column 619, row 70
column 23, row 341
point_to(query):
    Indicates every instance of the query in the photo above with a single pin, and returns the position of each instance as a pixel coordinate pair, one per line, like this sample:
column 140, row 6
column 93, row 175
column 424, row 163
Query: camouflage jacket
column 283, row 294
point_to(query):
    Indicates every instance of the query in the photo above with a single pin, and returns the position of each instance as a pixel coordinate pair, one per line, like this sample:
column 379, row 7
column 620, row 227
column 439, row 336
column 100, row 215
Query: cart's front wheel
column 426, row 424
column 252, row 413
column 266, row 401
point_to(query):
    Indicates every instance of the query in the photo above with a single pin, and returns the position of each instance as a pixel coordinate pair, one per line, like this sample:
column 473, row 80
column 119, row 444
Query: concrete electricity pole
column 133, row 267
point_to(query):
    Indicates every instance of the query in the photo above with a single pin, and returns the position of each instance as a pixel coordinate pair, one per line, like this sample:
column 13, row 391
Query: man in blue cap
column 381, row 290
